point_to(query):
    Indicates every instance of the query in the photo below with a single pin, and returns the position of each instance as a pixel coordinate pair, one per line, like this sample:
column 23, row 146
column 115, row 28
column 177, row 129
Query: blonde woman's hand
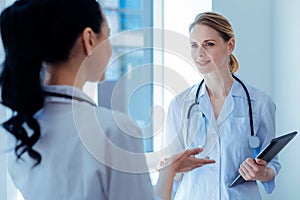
column 256, row 170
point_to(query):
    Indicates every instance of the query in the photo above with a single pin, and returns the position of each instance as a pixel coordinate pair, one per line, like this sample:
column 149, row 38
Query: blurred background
column 151, row 64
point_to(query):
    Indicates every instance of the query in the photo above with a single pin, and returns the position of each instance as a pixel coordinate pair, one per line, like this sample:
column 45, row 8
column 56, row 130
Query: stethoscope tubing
column 248, row 99
column 254, row 142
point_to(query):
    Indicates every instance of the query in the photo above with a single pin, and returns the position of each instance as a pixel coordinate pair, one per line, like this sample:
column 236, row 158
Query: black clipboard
column 269, row 152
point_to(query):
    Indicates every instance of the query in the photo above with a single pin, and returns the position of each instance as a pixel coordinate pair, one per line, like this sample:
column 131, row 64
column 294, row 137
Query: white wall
column 252, row 25
column 286, row 92
column 267, row 34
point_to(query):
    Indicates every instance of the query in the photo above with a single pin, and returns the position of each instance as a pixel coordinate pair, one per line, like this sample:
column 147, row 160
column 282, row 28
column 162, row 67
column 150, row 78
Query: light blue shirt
column 229, row 148
column 87, row 153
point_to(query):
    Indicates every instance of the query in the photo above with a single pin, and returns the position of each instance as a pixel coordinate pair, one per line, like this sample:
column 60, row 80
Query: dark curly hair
column 33, row 32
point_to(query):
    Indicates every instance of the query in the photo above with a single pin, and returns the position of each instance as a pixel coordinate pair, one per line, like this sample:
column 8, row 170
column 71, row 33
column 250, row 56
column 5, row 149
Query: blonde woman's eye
column 210, row 44
column 194, row 45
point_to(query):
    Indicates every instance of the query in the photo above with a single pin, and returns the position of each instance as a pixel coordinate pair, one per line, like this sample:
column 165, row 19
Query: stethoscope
column 55, row 94
column 253, row 140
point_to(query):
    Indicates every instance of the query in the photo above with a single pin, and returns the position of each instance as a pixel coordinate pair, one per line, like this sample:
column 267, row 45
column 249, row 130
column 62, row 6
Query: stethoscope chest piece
column 254, row 142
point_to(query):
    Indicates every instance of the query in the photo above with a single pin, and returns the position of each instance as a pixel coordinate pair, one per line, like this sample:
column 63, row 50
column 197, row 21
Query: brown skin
column 182, row 162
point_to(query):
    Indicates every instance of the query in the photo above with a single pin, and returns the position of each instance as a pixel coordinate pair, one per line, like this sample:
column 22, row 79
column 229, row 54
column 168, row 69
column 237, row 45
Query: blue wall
column 267, row 34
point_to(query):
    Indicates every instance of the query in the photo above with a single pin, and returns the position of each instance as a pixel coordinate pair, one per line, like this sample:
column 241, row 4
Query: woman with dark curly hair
column 65, row 146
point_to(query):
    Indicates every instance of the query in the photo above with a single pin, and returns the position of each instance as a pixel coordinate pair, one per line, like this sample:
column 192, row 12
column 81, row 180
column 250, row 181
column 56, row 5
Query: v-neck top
column 227, row 142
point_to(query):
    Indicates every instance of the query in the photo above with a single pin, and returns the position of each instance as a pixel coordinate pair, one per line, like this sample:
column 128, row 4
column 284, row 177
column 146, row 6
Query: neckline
column 60, row 95
column 60, row 92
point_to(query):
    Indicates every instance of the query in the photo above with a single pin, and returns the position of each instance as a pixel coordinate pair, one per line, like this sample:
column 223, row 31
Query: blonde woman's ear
column 231, row 44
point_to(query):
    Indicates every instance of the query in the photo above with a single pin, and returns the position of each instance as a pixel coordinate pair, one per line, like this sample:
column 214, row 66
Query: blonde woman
column 231, row 120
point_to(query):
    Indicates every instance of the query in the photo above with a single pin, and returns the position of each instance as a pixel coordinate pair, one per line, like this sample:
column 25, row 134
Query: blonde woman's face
column 208, row 49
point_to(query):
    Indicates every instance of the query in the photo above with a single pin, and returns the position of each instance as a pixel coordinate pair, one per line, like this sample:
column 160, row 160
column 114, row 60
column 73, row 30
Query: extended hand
column 181, row 162
column 186, row 161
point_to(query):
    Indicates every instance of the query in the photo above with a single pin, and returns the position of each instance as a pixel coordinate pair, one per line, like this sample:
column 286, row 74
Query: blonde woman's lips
column 202, row 62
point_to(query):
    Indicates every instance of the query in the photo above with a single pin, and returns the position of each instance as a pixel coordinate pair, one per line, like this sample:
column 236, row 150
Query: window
column 128, row 85
column 177, row 71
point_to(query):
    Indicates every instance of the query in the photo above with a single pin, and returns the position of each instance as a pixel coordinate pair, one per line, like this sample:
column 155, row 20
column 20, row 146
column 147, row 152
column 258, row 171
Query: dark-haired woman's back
column 74, row 160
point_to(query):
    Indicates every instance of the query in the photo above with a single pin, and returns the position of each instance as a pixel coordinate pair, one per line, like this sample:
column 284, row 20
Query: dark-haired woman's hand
column 182, row 162
column 185, row 161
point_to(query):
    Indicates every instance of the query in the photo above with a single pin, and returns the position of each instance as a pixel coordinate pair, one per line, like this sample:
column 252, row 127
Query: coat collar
column 66, row 90
column 205, row 106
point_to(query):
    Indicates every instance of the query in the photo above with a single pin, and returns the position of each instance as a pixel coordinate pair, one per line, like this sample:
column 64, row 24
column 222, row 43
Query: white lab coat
column 231, row 146
column 87, row 153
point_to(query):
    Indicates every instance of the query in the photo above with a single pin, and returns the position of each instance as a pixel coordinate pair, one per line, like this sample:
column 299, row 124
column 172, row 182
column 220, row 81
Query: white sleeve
column 123, row 185
column 173, row 135
column 133, row 183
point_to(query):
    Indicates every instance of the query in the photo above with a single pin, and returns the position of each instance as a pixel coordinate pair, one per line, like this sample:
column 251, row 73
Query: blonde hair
column 222, row 26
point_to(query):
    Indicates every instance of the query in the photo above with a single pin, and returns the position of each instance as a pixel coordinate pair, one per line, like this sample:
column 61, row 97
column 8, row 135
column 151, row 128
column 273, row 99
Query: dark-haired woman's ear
column 89, row 40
